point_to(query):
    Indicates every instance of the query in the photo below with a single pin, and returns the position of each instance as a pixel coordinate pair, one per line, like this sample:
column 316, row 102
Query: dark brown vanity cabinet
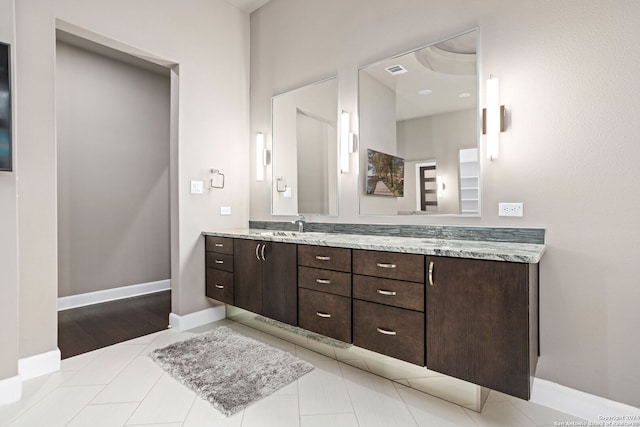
column 265, row 279
column 388, row 304
column 324, row 290
column 482, row 320
column 219, row 268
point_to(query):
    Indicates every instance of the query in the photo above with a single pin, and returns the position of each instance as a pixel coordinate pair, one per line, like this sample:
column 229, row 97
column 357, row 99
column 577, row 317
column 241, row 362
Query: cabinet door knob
column 386, row 332
column 323, row 281
column 323, row 258
column 385, row 265
column 431, row 273
column 323, row 315
column 219, row 286
column 389, row 293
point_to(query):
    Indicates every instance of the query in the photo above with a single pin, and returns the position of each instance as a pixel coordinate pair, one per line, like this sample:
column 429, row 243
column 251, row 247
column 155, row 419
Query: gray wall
column 112, row 123
column 8, row 235
column 207, row 44
column 567, row 75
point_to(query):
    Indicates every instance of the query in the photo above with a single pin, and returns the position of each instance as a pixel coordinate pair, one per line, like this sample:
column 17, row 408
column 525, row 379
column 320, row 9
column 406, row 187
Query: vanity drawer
column 220, row 285
column 390, row 292
column 223, row 245
column 391, row 265
column 219, row 261
column 393, row 331
column 334, row 282
column 338, row 259
column 324, row 313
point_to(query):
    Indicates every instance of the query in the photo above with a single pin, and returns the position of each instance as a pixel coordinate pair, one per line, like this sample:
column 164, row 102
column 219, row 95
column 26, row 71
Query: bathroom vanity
column 466, row 309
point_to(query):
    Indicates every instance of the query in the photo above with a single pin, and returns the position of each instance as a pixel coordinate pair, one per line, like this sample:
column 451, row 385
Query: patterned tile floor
column 120, row 386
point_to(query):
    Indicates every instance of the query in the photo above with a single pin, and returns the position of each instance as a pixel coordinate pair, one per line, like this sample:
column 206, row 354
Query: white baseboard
column 577, row 403
column 199, row 318
column 10, row 390
column 40, row 364
column 81, row 300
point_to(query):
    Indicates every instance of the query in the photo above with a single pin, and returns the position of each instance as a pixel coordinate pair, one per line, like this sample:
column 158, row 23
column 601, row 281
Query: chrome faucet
column 301, row 222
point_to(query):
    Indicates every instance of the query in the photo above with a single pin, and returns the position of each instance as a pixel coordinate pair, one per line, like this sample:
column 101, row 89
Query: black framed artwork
column 6, row 163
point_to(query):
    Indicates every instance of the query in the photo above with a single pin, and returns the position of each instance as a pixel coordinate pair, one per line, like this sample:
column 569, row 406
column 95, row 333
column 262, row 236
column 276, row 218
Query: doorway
column 113, row 152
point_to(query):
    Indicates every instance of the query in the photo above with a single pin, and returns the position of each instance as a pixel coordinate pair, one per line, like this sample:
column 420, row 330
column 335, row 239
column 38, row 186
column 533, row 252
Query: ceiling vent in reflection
column 394, row 70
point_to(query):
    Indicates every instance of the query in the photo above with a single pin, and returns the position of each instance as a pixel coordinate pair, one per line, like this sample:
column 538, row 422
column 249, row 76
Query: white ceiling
column 248, row 5
column 448, row 69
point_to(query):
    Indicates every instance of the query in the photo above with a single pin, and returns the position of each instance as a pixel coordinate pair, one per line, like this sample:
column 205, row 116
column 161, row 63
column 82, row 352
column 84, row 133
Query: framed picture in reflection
column 6, row 163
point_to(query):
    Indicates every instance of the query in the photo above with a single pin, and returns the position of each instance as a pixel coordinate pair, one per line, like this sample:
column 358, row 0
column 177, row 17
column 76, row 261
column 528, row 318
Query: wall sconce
column 348, row 141
column 440, row 186
column 493, row 118
column 261, row 156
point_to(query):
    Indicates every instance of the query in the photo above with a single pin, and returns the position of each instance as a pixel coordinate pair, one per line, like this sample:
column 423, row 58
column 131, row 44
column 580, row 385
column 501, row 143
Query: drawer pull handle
column 389, row 293
column 385, row 265
column 431, row 273
column 386, row 332
column 219, row 261
column 323, row 315
column 323, row 258
column 219, row 286
column 323, row 281
column 219, row 245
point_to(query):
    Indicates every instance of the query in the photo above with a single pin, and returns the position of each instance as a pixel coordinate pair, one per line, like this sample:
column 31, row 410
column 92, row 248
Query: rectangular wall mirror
column 305, row 150
column 422, row 106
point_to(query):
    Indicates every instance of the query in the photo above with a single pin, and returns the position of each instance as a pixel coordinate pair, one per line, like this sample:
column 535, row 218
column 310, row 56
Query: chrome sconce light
column 261, row 156
column 348, row 141
column 440, row 187
column 493, row 118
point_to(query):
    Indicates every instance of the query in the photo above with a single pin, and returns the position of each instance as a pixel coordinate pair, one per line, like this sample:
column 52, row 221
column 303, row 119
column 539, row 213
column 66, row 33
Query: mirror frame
column 275, row 182
column 361, row 185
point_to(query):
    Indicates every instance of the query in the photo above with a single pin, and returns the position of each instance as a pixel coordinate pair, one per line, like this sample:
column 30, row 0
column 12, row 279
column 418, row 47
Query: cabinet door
column 247, row 275
column 478, row 322
column 279, row 286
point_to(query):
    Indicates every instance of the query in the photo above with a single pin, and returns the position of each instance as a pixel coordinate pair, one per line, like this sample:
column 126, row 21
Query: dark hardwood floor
column 84, row 329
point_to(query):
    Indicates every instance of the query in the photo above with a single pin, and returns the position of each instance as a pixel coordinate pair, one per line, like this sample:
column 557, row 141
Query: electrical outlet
column 510, row 209
column 225, row 210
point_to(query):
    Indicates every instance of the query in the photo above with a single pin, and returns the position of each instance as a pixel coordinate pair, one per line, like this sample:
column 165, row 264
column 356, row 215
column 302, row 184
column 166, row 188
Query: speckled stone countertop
column 496, row 251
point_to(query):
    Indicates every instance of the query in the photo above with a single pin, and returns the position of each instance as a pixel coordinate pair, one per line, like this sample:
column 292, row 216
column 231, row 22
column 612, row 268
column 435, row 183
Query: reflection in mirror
column 422, row 106
column 305, row 150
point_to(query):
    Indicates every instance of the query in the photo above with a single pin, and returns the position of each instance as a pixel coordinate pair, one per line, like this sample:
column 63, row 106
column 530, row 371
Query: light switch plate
column 510, row 209
column 225, row 210
column 197, row 187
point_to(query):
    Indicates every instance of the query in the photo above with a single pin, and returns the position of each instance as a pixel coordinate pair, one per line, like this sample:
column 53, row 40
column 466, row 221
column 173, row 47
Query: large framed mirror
column 305, row 150
column 419, row 131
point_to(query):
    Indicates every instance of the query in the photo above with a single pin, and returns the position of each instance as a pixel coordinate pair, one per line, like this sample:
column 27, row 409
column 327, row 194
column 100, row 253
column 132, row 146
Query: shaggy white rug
column 228, row 369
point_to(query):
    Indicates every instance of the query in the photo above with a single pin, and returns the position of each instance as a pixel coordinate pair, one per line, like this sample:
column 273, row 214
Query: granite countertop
column 496, row 251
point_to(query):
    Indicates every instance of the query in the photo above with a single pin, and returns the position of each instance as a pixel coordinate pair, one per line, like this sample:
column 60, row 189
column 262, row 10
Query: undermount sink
column 277, row 233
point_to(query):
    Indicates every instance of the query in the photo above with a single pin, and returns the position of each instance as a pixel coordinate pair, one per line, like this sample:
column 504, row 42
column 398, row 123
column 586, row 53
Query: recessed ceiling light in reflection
column 425, row 91
column 464, row 95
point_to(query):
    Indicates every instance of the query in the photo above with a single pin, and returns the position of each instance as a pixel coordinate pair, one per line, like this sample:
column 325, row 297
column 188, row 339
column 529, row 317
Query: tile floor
column 121, row 386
